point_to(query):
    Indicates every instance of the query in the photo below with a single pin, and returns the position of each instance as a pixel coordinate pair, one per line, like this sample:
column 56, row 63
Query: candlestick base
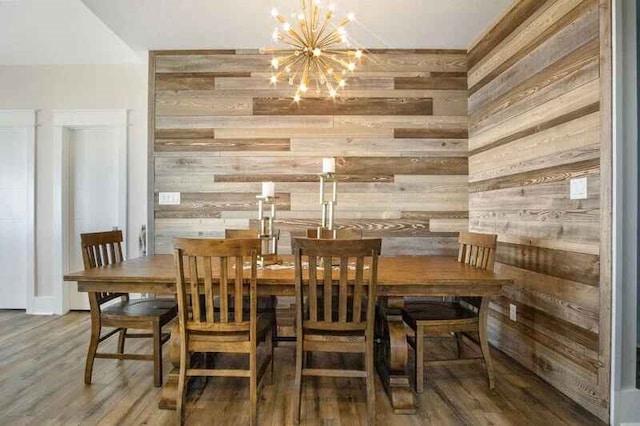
column 269, row 259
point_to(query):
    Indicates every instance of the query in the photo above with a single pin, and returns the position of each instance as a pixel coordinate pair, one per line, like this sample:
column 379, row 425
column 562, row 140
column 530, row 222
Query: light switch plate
column 578, row 188
column 513, row 312
column 169, row 198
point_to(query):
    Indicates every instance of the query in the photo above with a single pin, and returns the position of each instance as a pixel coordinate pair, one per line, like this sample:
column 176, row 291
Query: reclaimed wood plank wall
column 399, row 133
column 534, row 124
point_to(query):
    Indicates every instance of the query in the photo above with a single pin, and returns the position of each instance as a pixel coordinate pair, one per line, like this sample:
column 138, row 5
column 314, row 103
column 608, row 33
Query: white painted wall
column 58, row 87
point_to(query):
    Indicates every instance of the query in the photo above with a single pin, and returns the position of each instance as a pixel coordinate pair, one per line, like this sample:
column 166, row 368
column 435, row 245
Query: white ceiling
column 110, row 31
column 215, row 24
column 34, row 32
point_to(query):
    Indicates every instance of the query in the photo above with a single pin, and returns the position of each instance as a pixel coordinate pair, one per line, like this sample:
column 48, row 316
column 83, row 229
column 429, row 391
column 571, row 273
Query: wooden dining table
column 398, row 277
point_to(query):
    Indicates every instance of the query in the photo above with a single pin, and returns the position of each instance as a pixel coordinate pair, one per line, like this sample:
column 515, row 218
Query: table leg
column 392, row 354
column 170, row 389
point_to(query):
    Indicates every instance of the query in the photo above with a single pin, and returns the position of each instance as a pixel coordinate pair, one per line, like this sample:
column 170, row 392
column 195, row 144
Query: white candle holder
column 268, row 234
column 328, row 205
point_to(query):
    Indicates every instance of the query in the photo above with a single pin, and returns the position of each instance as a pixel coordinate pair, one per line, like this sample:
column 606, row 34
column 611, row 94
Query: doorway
column 91, row 186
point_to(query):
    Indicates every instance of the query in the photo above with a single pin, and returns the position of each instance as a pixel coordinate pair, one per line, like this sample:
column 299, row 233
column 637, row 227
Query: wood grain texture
column 398, row 131
column 452, row 395
column 536, row 122
column 343, row 106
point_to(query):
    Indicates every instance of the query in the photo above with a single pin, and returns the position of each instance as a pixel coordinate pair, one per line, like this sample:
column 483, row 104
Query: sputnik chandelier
column 317, row 56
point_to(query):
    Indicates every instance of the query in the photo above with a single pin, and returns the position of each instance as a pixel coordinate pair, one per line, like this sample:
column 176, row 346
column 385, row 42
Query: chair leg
column 157, row 354
column 91, row 352
column 297, row 385
column 371, row 390
column 121, row 337
column 484, row 341
column 181, row 399
column 253, row 387
column 419, row 359
column 270, row 345
column 459, row 344
column 274, row 327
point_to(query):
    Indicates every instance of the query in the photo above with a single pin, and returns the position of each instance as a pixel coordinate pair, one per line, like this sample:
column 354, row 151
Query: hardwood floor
column 41, row 382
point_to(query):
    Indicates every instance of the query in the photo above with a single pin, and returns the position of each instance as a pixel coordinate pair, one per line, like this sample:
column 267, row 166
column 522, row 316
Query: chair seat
column 426, row 312
column 264, row 324
column 143, row 309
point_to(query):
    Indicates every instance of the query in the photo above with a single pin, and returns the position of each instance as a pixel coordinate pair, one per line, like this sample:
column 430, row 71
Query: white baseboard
column 42, row 305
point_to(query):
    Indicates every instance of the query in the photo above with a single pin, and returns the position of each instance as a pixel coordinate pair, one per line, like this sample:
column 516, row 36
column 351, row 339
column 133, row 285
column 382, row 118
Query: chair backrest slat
column 313, row 288
column 328, row 284
column 209, row 263
column 238, row 289
column 344, row 289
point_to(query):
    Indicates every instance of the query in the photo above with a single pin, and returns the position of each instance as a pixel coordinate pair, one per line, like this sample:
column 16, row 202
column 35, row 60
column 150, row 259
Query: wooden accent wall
column 399, row 133
column 535, row 122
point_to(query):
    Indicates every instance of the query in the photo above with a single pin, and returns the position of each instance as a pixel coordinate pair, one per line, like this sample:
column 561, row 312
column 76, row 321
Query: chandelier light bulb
column 351, row 17
column 344, row 38
column 317, row 51
column 274, row 79
column 351, row 66
column 332, row 93
column 274, row 63
column 303, row 88
column 342, row 83
column 332, row 7
column 341, row 30
column 275, row 35
column 274, row 12
column 286, row 27
column 358, row 53
column 296, row 98
column 300, row 16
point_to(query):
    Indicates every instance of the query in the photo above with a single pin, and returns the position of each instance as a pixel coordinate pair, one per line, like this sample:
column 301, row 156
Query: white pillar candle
column 328, row 165
column 268, row 189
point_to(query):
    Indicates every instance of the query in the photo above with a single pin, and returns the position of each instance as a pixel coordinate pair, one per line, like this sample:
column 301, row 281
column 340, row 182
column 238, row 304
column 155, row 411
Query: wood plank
column 413, row 133
column 205, row 204
column 448, row 225
column 442, row 81
column 374, row 228
column 311, row 132
column 386, row 202
column 353, row 82
column 310, row 177
column 191, row 81
column 235, row 122
column 381, row 147
column 401, row 121
column 403, row 165
column 559, row 173
column 212, row 144
column 343, row 106
column 518, row 13
column 181, row 104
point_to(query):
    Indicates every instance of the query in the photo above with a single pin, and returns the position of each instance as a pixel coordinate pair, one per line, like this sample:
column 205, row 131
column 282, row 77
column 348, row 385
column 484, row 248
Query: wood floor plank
column 122, row 393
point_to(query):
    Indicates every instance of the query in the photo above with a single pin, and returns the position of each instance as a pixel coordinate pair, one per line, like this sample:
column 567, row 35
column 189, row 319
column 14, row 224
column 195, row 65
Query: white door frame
column 625, row 397
column 81, row 120
column 26, row 120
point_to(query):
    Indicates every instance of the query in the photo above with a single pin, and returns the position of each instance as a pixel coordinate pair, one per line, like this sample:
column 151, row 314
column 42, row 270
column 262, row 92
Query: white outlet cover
column 578, row 188
column 513, row 312
column 169, row 198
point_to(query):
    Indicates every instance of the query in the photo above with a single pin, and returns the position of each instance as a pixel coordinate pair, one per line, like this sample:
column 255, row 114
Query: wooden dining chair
column 265, row 303
column 102, row 249
column 210, row 264
column 322, row 328
column 454, row 318
column 339, row 234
